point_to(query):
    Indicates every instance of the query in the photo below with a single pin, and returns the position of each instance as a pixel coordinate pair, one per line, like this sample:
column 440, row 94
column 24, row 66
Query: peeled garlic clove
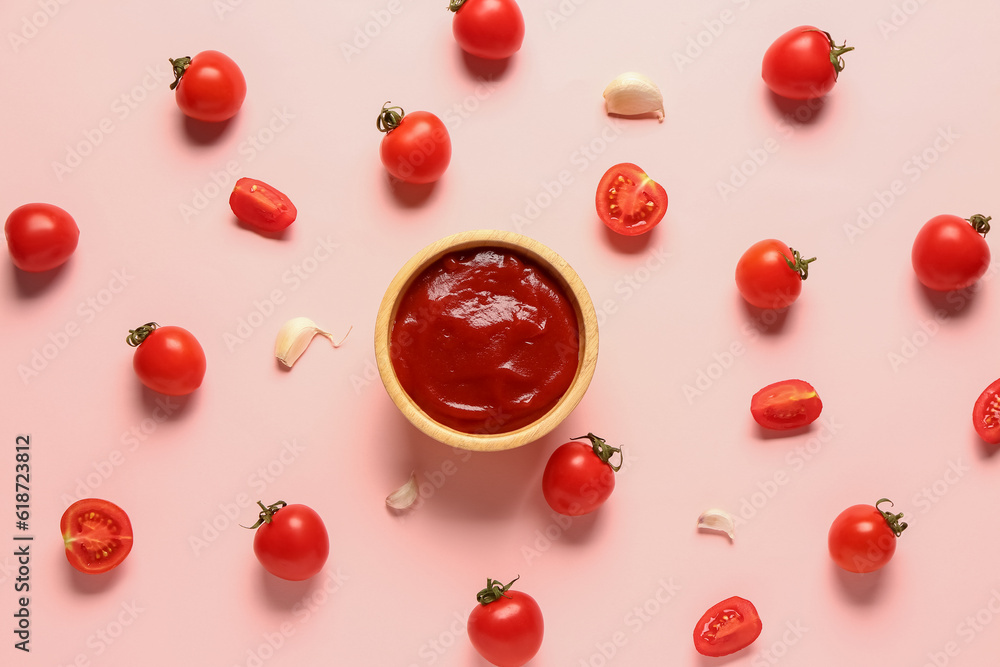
column 632, row 94
column 718, row 520
column 404, row 496
column 295, row 336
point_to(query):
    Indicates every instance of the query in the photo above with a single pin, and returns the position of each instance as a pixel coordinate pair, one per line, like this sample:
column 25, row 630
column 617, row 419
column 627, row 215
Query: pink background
column 898, row 369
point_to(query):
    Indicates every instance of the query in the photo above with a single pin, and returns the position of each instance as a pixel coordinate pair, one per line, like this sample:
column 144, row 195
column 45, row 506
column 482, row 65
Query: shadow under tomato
column 985, row 449
column 409, row 195
column 628, row 245
column 94, row 584
column 705, row 661
column 766, row 321
column 861, row 589
column 772, row 434
column 29, row 284
column 483, row 68
column 202, row 133
column 797, row 112
column 281, row 594
column 280, row 235
column 161, row 407
column 956, row 303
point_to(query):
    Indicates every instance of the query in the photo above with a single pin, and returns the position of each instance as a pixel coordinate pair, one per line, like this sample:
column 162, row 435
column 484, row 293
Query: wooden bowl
column 555, row 266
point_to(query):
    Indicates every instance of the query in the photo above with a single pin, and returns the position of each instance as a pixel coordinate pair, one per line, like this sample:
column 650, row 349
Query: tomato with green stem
column 785, row 405
column 628, row 201
column 291, row 541
column 210, row 86
column 862, row 538
column 727, row 627
column 986, row 414
column 97, row 535
column 803, row 64
column 950, row 252
column 40, row 236
column 169, row 360
column 769, row 274
column 579, row 476
column 490, row 29
column 506, row 627
column 416, row 147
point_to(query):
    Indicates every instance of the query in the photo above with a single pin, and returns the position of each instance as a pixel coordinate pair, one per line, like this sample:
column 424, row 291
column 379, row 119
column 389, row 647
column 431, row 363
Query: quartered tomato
column 727, row 627
column 786, row 405
column 628, row 201
column 986, row 414
column 97, row 534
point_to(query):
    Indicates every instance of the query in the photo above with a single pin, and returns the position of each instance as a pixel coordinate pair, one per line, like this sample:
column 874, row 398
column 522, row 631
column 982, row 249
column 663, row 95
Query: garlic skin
column 294, row 337
column 404, row 497
column 633, row 94
column 719, row 521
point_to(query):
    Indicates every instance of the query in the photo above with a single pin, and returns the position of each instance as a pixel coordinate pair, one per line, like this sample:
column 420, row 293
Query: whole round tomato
column 628, row 201
column 506, row 627
column 579, row 477
column 803, row 64
column 210, row 86
column 863, row 537
column 416, row 147
column 97, row 534
column 950, row 252
column 40, row 236
column 786, row 405
column 491, row 29
column 728, row 627
column 770, row 274
column 986, row 414
column 291, row 541
column 167, row 359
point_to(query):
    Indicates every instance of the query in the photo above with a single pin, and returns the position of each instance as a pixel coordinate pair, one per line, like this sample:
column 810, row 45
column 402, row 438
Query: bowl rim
column 558, row 269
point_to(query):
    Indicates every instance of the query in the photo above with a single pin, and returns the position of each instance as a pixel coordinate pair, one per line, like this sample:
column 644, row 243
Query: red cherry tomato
column 416, row 147
column 628, row 201
column 167, row 359
column 210, row 86
column 40, row 236
column 863, row 537
column 491, row 29
column 950, row 252
column 506, row 627
column 259, row 205
column 727, row 627
column 97, row 535
column 803, row 63
column 770, row 274
column 291, row 541
column 786, row 405
column 578, row 477
column 986, row 414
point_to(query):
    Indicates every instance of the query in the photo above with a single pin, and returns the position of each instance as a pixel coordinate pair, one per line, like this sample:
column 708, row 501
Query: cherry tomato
column 863, row 537
column 727, row 627
column 416, row 147
column 950, row 252
column 167, row 359
column 628, row 201
column 491, row 29
column 803, row 64
column 986, row 414
column 786, row 405
column 579, row 476
column 259, row 205
column 291, row 541
column 40, row 236
column 770, row 274
column 506, row 627
column 210, row 87
column 97, row 535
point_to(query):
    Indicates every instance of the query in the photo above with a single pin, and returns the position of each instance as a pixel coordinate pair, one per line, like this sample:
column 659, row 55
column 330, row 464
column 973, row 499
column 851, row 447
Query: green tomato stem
column 180, row 66
column 137, row 335
column 455, row 5
column 603, row 450
column 494, row 591
column 893, row 520
column 389, row 118
column 797, row 264
column 267, row 513
column 981, row 223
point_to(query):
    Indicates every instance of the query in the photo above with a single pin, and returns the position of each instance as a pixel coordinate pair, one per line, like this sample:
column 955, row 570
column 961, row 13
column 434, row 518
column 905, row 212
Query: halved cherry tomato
column 506, row 627
column 862, row 538
column 628, row 201
column 986, row 414
column 770, row 274
column 97, row 534
column 169, row 360
column 259, row 205
column 786, row 405
column 727, row 627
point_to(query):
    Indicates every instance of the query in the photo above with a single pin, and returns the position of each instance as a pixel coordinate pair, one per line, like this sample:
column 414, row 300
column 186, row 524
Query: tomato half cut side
column 628, row 201
column 727, row 627
column 785, row 405
column 986, row 414
column 97, row 534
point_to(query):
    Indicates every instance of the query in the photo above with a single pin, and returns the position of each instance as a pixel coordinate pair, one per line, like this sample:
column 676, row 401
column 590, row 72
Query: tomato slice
column 97, row 534
column 986, row 414
column 259, row 205
column 786, row 405
column 727, row 627
column 629, row 201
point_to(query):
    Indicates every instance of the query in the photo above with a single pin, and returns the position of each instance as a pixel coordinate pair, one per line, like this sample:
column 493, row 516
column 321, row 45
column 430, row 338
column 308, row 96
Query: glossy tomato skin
column 576, row 481
column 727, row 627
column 170, row 361
column 986, row 414
column 261, row 206
column 509, row 631
column 765, row 279
column 490, row 29
column 294, row 545
column 40, row 236
column 798, row 65
column 212, row 88
column 860, row 539
column 786, row 405
column 97, row 534
column 628, row 201
column 949, row 254
column 418, row 150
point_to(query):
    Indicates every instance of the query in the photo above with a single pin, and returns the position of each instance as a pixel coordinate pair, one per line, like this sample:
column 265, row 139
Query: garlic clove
column 404, row 497
column 294, row 337
column 719, row 521
column 632, row 94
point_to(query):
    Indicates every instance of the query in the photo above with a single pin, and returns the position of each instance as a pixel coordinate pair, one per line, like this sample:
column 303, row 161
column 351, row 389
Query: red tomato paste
column 485, row 341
